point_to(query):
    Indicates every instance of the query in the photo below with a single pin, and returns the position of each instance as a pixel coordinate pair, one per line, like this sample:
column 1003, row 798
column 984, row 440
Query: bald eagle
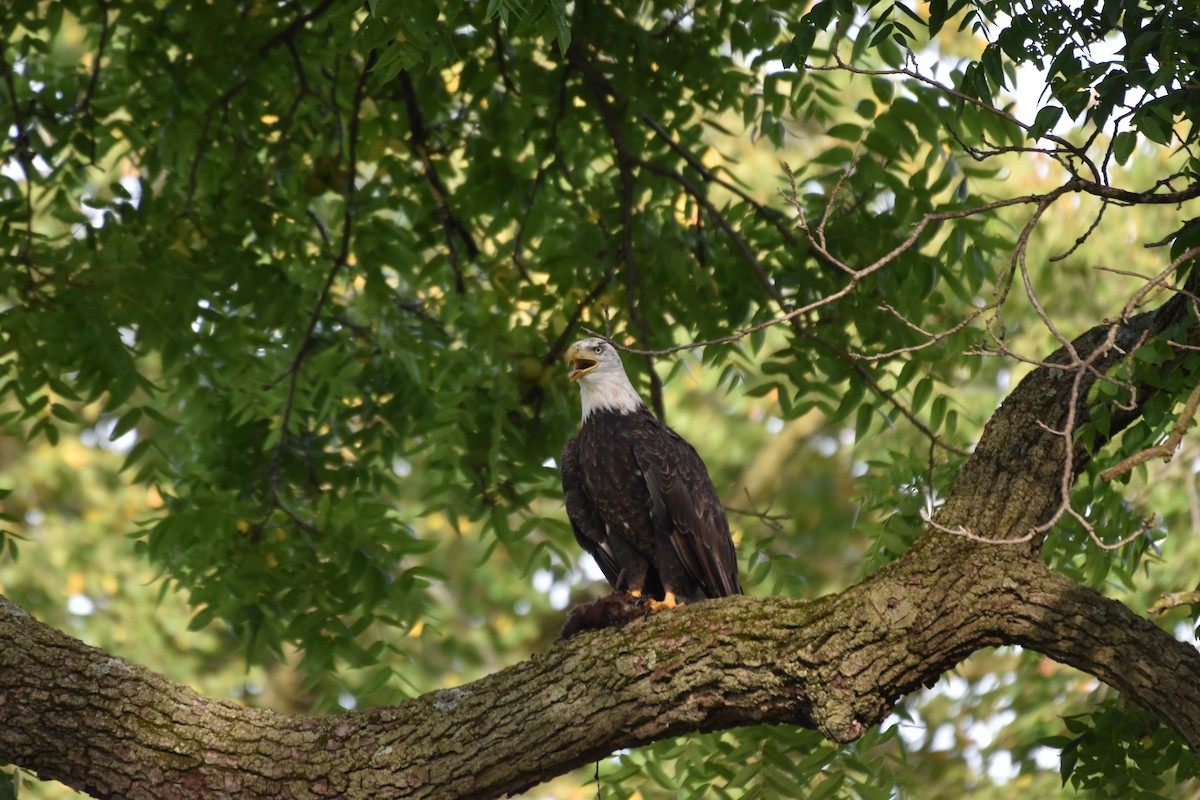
column 638, row 496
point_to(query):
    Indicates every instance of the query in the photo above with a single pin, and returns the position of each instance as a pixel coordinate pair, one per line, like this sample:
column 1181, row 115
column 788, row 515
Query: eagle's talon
column 668, row 601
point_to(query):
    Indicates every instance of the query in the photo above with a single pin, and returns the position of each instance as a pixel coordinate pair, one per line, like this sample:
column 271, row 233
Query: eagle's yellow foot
column 669, row 601
column 640, row 600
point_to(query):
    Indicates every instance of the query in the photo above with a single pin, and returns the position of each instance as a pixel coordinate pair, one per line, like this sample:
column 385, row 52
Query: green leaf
column 848, row 131
column 64, row 413
column 559, row 9
column 802, row 44
column 850, row 401
column 862, row 422
column 1123, row 144
column 827, row 788
column 937, row 412
column 202, row 618
column 921, row 394
column 938, row 14
column 1045, row 121
column 1067, row 763
column 884, row 89
column 127, row 422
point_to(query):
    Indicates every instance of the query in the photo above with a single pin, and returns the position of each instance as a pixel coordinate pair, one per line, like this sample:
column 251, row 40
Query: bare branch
column 84, row 103
column 772, row 521
column 1173, row 600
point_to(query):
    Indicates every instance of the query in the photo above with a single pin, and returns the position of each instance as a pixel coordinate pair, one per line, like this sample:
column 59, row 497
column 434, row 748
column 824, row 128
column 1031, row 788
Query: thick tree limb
column 97, row 723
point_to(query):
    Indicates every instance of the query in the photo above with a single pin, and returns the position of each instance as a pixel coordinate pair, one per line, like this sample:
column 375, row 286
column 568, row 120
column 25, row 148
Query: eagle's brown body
column 641, row 502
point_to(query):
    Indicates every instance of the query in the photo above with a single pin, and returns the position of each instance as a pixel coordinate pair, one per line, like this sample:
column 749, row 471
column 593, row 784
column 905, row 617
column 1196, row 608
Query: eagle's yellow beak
column 580, row 364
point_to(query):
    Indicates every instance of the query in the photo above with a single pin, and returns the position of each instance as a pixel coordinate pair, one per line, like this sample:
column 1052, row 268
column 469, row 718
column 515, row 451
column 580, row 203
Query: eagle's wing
column 685, row 506
column 589, row 530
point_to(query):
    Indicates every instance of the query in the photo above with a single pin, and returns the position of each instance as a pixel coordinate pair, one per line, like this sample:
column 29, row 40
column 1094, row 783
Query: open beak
column 580, row 364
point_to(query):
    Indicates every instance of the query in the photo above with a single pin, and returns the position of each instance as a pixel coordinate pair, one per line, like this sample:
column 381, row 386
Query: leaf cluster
column 312, row 267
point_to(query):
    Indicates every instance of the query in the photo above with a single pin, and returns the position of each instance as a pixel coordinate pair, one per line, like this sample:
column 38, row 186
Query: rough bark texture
column 113, row 729
column 97, row 723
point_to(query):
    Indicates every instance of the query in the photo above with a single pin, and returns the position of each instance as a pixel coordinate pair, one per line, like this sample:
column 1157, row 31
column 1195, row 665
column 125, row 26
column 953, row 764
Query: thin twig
column 341, row 259
column 1167, row 449
column 773, row 217
column 1083, row 237
column 203, row 142
column 24, row 156
column 560, row 344
column 84, row 103
column 544, row 166
column 773, row 521
column 502, row 59
column 625, row 162
column 289, row 32
column 452, row 226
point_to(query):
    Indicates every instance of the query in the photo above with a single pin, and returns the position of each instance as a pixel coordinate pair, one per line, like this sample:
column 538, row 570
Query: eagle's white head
column 603, row 384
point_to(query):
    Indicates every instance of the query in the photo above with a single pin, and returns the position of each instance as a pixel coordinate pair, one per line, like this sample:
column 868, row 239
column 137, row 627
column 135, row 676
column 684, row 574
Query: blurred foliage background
column 286, row 288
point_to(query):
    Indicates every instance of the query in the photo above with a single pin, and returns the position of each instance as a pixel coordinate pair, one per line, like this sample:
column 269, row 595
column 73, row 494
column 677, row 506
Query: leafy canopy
column 319, row 262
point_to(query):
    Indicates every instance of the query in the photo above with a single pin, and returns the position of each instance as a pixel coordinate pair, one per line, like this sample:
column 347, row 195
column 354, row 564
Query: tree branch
column 84, row 103
column 773, row 217
column 451, row 225
column 625, row 162
column 25, row 155
column 288, row 34
column 1167, row 449
column 340, row 260
column 99, row 724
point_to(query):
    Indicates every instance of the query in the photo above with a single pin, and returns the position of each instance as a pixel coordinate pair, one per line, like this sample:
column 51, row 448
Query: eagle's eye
column 598, row 349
